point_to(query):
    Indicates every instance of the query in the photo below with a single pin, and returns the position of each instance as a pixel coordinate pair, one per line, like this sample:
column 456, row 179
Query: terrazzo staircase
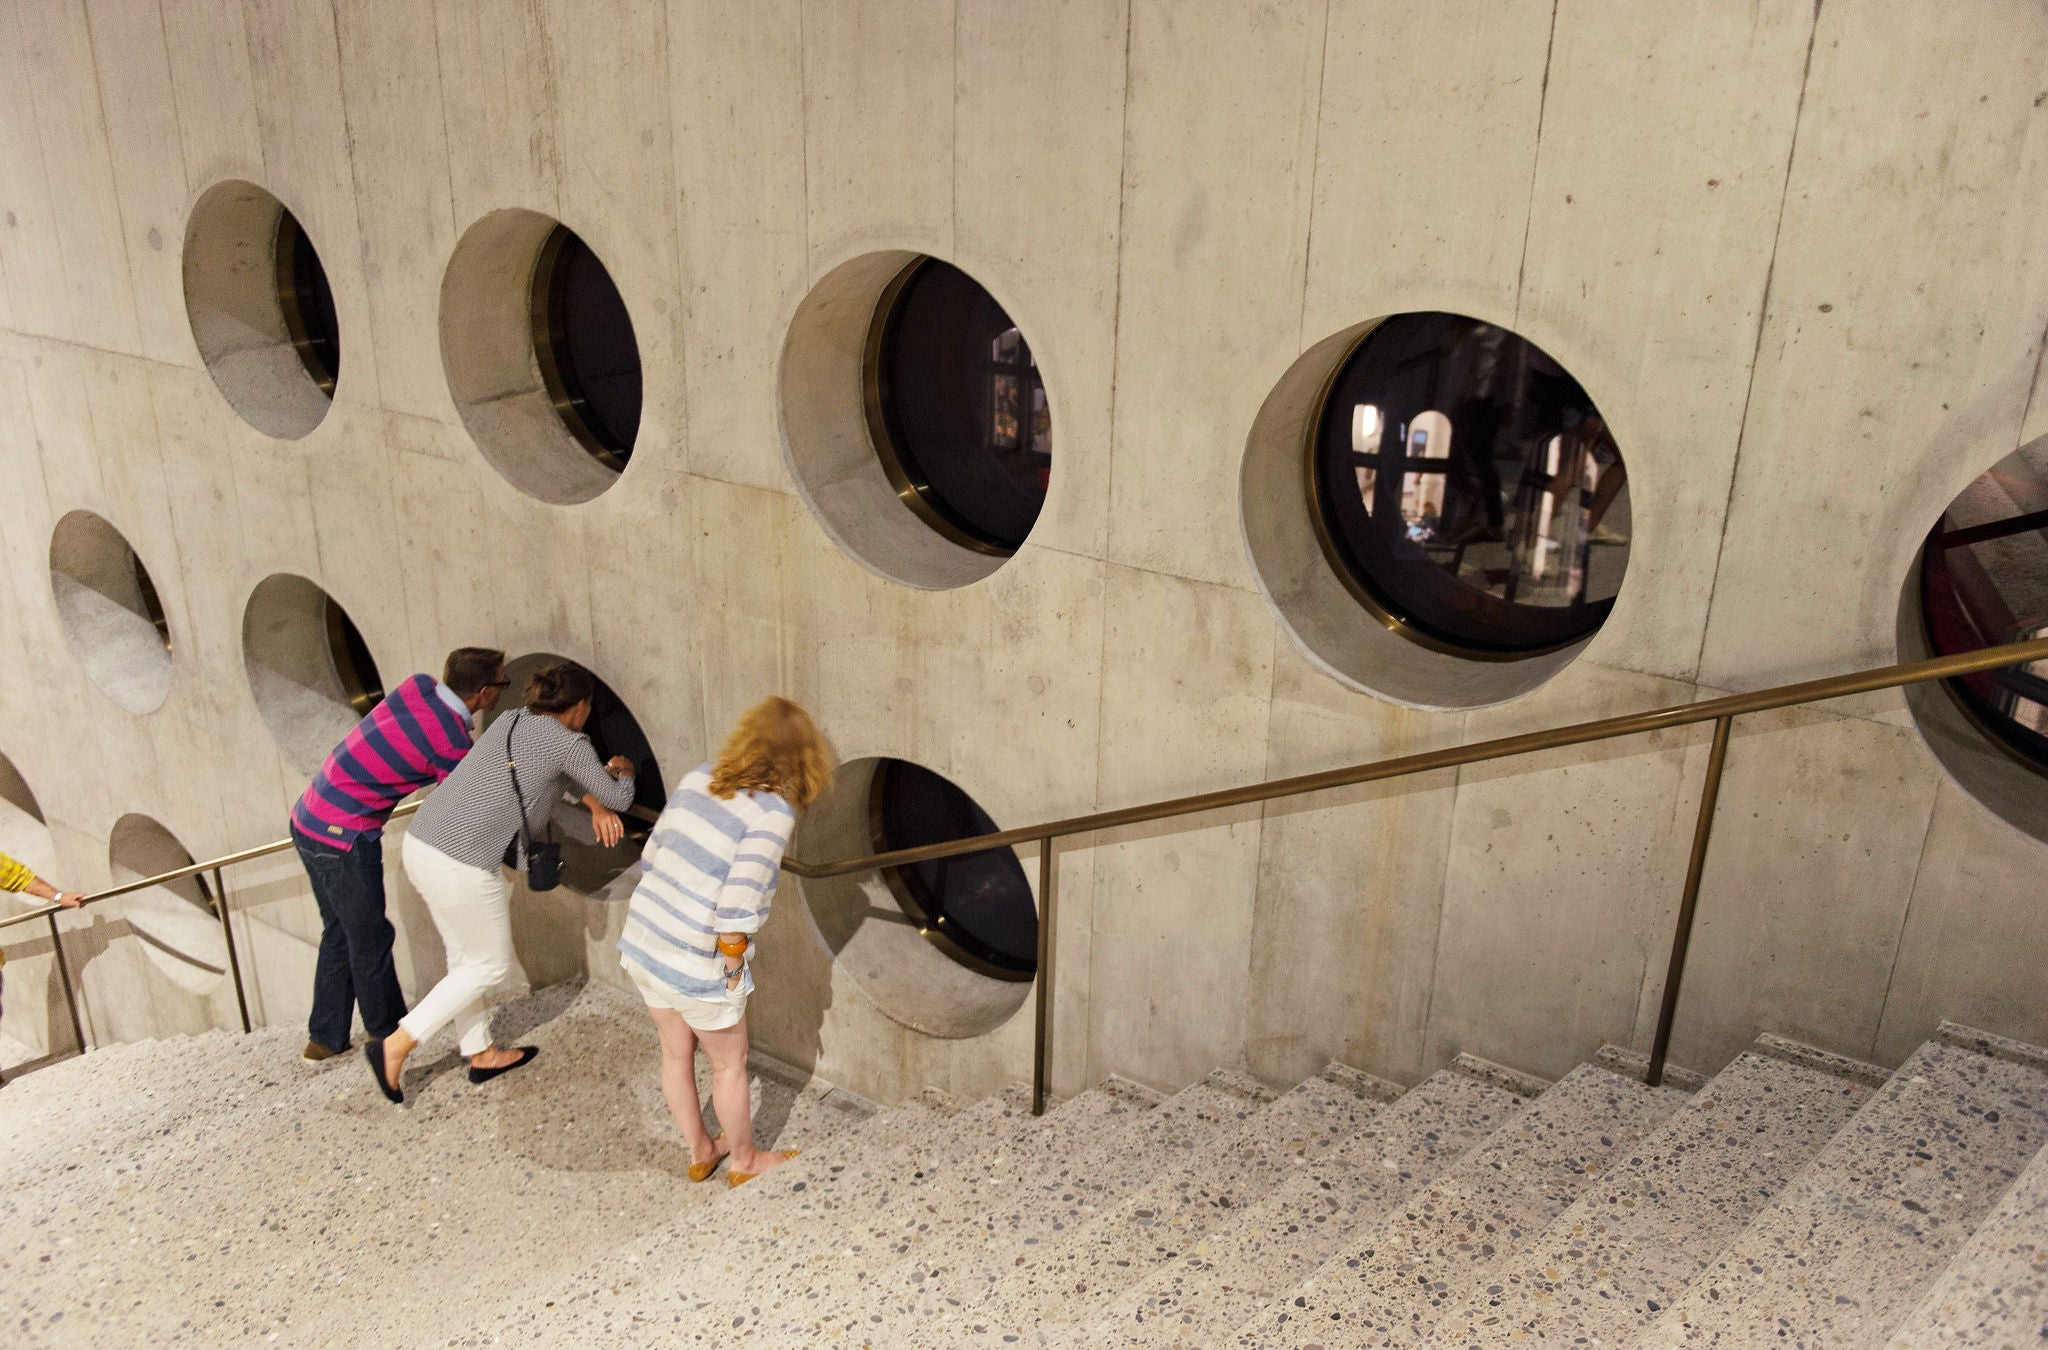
column 215, row 1190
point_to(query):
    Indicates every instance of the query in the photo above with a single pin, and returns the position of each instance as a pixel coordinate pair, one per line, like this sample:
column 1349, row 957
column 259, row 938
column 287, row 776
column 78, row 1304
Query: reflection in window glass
column 307, row 303
column 1468, row 489
column 958, row 409
column 1984, row 581
column 583, row 340
column 976, row 907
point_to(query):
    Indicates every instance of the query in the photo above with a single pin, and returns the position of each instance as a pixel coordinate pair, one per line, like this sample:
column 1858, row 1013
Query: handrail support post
column 1688, row 901
column 227, row 931
column 1041, row 1041
column 64, row 978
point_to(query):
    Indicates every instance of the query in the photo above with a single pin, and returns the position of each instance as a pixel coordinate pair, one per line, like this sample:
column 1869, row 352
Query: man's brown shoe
column 317, row 1052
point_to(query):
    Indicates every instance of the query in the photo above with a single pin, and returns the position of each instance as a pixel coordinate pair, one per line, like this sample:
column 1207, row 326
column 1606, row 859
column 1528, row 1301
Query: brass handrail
column 1576, row 733
column 1720, row 711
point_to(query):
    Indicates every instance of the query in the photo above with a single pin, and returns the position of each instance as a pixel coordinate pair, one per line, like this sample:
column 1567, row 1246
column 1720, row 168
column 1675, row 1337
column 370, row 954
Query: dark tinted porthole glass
column 584, row 340
column 354, row 667
column 613, row 730
column 1467, row 490
column 958, row 409
column 308, row 304
column 976, row 907
column 1984, row 581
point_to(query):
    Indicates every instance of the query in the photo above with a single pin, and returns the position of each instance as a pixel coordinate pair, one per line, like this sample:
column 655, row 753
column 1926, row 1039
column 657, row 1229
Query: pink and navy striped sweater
column 413, row 739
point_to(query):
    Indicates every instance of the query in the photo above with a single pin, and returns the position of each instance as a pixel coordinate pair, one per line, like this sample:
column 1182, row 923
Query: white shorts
column 701, row 1013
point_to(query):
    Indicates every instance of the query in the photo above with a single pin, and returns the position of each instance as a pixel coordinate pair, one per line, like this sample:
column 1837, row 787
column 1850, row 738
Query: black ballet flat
column 374, row 1052
column 526, row 1054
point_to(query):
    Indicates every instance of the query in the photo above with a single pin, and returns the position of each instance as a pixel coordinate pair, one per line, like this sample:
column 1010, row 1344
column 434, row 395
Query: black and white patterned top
column 473, row 815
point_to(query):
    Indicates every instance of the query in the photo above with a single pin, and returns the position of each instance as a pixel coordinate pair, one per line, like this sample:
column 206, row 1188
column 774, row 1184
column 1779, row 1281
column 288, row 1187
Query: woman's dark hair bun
column 560, row 687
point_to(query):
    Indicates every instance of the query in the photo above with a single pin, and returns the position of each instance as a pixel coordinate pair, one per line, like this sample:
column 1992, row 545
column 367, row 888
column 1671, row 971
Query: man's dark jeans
column 355, row 942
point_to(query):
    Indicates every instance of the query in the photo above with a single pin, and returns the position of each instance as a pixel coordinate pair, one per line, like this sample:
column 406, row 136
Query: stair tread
column 1995, row 1290
column 1202, row 1297
column 1627, row 1246
column 1856, row 1239
column 1394, row 1280
column 740, row 1286
column 1239, row 1162
column 296, row 1195
column 928, row 1293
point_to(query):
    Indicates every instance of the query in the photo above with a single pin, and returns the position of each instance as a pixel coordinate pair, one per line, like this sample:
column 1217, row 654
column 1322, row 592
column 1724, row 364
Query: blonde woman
column 710, row 872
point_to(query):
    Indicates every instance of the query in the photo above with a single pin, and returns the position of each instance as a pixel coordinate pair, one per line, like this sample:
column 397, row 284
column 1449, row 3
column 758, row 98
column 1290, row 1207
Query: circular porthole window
column 1982, row 581
column 540, row 356
column 588, row 867
column 957, row 408
column 920, row 428
column 1464, row 494
column 977, row 907
column 177, row 922
column 946, row 947
column 110, row 612
column 309, row 668
column 261, row 310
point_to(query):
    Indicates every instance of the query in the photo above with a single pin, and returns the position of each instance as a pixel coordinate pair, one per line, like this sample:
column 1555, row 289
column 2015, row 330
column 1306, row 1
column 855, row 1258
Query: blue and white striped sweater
column 710, row 867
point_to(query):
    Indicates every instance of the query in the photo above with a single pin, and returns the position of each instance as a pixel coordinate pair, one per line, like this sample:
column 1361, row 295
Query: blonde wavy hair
column 776, row 748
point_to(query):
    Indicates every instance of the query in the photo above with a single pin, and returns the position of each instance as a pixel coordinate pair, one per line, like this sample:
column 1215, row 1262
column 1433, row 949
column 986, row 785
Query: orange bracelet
column 727, row 950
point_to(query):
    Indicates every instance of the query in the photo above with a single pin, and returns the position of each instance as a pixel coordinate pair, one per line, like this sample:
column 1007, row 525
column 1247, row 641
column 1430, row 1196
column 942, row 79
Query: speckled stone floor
column 217, row 1190
column 232, row 1193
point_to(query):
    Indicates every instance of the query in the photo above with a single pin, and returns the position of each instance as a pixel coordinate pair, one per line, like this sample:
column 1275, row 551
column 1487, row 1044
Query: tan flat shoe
column 703, row 1171
column 742, row 1178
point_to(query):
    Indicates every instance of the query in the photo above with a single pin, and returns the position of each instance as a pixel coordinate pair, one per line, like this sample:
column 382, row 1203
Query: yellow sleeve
column 13, row 876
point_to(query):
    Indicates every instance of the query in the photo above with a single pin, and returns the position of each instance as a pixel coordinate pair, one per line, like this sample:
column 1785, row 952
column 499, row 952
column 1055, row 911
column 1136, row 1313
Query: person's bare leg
column 397, row 1046
column 679, row 1084
column 728, row 1051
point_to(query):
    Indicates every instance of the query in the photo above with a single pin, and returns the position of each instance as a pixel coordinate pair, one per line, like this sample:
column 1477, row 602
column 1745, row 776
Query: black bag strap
column 512, row 767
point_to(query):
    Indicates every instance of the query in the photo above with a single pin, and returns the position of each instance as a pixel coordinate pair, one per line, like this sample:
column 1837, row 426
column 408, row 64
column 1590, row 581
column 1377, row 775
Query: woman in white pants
column 454, row 855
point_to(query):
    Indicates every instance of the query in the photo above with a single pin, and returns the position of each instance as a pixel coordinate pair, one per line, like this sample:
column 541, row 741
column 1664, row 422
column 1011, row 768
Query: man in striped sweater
column 411, row 740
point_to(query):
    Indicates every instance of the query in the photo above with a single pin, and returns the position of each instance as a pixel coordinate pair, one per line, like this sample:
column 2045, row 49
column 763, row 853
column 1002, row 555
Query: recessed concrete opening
column 309, row 669
column 261, row 310
column 110, row 613
column 1361, row 636
column 588, row 868
column 1982, row 579
column 916, row 423
column 882, row 935
column 540, row 356
column 176, row 922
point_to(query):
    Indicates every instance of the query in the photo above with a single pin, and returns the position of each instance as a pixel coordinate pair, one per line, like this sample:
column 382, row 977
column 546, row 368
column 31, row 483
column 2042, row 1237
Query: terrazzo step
column 1201, row 1298
column 895, row 1305
column 144, row 1102
column 942, row 1298
column 317, row 1195
column 1041, row 1290
column 1995, row 1291
column 1844, row 1254
column 1629, row 1244
column 789, row 1265
column 1445, row 1237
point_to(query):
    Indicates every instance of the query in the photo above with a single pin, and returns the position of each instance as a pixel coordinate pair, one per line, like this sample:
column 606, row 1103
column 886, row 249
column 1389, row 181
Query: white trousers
column 470, row 908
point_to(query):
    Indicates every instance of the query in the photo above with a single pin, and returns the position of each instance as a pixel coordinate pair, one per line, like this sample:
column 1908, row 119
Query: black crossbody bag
column 543, row 859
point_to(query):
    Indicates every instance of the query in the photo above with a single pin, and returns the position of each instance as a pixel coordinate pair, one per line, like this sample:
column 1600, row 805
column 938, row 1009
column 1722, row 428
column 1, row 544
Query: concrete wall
column 1796, row 249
